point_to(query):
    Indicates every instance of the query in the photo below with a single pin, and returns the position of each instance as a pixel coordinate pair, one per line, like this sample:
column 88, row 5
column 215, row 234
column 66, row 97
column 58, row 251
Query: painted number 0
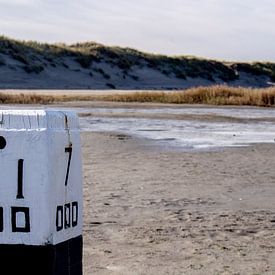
column 70, row 151
column 66, row 216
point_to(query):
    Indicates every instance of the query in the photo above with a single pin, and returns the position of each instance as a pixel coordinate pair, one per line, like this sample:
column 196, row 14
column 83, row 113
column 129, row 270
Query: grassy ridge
column 35, row 58
column 21, row 98
column 215, row 95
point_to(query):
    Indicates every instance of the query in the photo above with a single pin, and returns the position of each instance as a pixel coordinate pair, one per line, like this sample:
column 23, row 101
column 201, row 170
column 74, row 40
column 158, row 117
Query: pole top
column 14, row 119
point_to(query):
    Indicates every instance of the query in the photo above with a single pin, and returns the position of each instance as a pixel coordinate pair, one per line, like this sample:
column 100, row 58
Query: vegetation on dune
column 214, row 95
column 34, row 57
column 22, row 98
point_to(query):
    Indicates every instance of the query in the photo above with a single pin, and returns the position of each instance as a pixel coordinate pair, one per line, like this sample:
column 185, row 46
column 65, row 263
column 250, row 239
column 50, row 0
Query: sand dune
column 32, row 65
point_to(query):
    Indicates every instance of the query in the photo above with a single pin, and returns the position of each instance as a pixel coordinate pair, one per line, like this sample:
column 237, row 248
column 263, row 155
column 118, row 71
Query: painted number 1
column 20, row 179
column 68, row 150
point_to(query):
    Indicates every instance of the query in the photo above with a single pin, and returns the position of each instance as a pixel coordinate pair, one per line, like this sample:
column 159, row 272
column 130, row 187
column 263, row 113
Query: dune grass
column 214, row 95
column 22, row 98
column 35, row 57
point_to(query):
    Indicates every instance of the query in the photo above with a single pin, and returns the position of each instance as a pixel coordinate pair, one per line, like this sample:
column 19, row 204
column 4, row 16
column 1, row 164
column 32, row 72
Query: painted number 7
column 68, row 150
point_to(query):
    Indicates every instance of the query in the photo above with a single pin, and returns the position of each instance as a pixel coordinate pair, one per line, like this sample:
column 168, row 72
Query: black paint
column 67, row 215
column 1, row 219
column 26, row 211
column 68, row 150
column 20, row 179
column 74, row 213
column 59, row 218
column 62, row 259
column 3, row 142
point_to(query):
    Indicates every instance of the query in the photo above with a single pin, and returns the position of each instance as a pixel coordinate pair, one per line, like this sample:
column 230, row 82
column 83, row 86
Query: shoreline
column 185, row 128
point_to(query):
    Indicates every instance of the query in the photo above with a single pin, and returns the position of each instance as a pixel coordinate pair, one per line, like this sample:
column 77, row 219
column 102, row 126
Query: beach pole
column 40, row 193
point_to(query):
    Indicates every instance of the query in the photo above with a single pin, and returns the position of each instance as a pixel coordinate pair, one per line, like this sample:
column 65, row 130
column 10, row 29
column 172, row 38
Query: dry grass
column 214, row 95
column 22, row 98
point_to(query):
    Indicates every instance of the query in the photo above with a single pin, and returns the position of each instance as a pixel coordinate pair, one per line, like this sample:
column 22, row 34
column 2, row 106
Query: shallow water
column 244, row 112
column 192, row 134
column 188, row 134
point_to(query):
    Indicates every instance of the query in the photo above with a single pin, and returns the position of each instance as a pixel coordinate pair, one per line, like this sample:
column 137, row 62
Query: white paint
column 20, row 219
column 40, row 138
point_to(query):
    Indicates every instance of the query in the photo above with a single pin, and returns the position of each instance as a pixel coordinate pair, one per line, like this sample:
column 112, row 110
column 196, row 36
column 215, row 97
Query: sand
column 158, row 210
column 155, row 211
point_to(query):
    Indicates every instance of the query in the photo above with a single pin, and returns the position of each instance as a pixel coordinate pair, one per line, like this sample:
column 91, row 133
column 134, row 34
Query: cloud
column 19, row 2
column 225, row 29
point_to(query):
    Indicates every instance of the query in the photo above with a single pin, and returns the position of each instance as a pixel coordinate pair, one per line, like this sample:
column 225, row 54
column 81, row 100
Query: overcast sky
column 223, row 29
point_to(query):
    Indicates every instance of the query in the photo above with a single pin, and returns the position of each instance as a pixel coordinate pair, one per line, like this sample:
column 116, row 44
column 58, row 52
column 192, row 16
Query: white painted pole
column 40, row 192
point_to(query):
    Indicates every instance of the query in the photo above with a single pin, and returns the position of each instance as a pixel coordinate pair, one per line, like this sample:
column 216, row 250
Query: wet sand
column 155, row 211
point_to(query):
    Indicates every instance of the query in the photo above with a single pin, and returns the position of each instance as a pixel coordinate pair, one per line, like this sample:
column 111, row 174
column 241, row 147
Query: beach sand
column 155, row 211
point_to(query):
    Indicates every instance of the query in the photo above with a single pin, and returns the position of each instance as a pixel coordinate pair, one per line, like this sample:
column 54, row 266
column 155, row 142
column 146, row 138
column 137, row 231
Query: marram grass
column 214, row 95
column 21, row 98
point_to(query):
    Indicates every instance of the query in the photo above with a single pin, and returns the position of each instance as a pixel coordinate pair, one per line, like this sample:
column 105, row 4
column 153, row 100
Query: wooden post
column 40, row 193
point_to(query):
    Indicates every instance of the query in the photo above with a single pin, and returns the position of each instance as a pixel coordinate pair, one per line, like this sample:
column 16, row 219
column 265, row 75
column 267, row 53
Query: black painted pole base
column 62, row 259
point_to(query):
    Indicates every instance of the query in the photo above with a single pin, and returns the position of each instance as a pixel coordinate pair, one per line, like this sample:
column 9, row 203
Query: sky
column 237, row 30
